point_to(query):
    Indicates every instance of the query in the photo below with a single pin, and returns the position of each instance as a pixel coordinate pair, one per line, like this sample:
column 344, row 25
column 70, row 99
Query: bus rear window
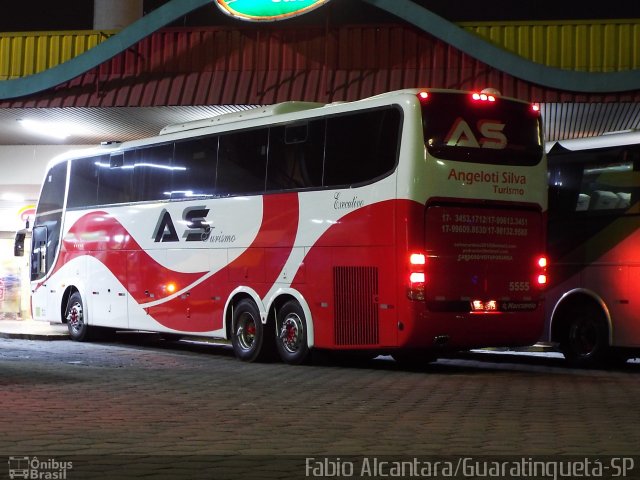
column 503, row 132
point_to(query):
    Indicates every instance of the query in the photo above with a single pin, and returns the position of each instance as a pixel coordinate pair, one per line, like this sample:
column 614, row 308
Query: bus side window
column 83, row 187
column 295, row 156
column 283, row 168
column 564, row 187
column 242, row 162
column 152, row 172
column 609, row 183
column 361, row 146
column 312, row 163
column 48, row 219
column 194, row 168
column 114, row 180
column 52, row 196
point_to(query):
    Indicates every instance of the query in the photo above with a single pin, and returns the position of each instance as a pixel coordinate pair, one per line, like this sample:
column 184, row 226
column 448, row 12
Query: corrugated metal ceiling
column 561, row 121
column 579, row 120
column 102, row 124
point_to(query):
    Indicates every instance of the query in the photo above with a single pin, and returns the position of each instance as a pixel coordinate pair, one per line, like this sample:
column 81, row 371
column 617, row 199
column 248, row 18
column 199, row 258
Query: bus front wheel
column 585, row 342
column 76, row 319
column 248, row 332
column 291, row 334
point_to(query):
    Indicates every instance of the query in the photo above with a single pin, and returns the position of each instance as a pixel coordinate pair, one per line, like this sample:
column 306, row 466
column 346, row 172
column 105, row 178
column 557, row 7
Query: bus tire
column 585, row 342
column 76, row 318
column 291, row 334
column 248, row 332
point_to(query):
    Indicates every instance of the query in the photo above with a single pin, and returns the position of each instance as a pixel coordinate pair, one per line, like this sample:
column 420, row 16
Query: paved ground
column 32, row 330
column 139, row 407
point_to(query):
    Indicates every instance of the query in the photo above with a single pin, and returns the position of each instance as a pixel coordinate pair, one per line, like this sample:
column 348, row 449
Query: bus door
column 38, row 252
column 38, row 262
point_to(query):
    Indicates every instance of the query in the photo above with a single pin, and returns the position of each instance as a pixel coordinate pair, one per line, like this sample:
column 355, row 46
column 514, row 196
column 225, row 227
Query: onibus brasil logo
column 267, row 10
column 41, row 469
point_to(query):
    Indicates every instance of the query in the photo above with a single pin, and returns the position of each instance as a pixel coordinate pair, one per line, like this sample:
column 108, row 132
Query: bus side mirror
column 18, row 244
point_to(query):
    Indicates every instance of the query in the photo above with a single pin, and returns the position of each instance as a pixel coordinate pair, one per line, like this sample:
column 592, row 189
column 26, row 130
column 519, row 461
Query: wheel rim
column 75, row 318
column 583, row 337
column 246, row 331
column 291, row 333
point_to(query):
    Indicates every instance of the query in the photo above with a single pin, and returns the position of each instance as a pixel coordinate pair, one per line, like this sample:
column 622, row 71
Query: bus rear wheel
column 248, row 332
column 291, row 334
column 75, row 317
column 585, row 342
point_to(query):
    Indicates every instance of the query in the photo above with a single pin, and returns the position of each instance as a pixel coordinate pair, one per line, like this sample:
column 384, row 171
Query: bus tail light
column 417, row 276
column 483, row 97
column 541, row 271
column 487, row 95
column 423, row 95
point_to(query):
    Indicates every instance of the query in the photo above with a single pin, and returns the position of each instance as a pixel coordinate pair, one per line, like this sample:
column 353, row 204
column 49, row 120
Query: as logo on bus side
column 461, row 135
column 198, row 229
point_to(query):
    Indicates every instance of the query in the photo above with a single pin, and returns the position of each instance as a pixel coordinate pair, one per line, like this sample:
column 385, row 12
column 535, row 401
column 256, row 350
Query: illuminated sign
column 267, row 10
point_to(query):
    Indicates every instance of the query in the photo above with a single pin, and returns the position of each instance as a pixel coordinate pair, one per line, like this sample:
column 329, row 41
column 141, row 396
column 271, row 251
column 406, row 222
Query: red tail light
column 541, row 274
column 417, row 259
column 423, row 95
column 417, row 276
column 483, row 97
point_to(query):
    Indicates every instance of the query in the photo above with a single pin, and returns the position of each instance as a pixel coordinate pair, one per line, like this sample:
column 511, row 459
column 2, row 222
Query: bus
column 593, row 233
column 409, row 223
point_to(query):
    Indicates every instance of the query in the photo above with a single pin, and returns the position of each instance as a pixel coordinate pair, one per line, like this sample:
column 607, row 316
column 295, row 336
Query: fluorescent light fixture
column 59, row 130
column 12, row 197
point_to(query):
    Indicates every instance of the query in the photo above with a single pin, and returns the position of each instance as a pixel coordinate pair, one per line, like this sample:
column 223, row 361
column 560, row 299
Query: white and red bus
column 409, row 223
column 594, row 234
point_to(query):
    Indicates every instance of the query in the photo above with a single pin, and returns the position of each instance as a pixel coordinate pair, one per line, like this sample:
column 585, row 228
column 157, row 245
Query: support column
column 115, row 14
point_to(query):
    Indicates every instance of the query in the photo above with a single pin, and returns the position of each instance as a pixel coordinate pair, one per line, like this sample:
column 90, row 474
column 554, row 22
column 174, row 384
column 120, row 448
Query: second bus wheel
column 75, row 317
column 586, row 340
column 248, row 334
column 291, row 334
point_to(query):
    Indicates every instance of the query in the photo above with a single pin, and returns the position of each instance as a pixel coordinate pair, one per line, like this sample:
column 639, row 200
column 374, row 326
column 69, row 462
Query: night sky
column 39, row 15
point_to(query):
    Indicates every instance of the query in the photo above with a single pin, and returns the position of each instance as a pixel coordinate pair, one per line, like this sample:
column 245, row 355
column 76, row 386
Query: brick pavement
column 151, row 398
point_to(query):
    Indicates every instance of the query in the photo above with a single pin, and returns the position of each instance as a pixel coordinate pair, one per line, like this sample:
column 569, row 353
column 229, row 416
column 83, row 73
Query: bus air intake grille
column 355, row 300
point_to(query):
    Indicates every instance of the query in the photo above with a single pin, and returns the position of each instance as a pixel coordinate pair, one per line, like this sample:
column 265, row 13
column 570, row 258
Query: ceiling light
column 12, row 197
column 59, row 130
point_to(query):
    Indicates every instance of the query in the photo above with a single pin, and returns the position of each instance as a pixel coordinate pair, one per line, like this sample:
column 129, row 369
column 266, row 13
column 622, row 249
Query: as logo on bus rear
column 197, row 227
column 490, row 135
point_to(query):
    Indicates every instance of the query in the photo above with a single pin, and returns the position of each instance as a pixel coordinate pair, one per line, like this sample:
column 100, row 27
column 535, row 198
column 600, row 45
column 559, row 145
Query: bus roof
column 258, row 112
column 263, row 112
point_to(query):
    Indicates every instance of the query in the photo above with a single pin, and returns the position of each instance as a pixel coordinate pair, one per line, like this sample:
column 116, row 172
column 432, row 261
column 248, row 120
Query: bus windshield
column 500, row 132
